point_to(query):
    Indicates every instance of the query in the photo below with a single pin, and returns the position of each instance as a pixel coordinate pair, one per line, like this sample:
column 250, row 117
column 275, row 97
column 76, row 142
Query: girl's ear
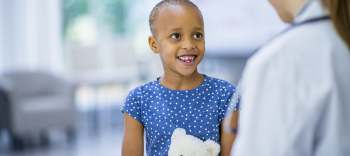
column 153, row 44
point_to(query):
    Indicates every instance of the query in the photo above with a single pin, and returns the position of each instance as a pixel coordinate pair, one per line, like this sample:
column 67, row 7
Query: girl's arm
column 133, row 137
column 227, row 139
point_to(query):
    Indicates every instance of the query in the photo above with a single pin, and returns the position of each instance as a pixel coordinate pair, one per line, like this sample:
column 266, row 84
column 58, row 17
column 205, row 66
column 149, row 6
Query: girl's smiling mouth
column 187, row 59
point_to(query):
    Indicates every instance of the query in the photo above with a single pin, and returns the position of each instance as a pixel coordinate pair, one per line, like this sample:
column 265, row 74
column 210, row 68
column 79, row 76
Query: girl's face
column 179, row 39
column 283, row 9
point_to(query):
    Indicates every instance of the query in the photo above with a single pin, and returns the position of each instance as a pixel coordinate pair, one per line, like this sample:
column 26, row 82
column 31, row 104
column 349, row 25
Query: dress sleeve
column 229, row 106
column 132, row 106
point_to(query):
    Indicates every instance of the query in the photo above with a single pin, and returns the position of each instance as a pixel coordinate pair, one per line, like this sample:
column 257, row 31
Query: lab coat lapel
column 312, row 9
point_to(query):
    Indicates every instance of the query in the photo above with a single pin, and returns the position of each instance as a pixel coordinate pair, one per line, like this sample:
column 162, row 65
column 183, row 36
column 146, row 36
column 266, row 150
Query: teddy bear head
column 188, row 145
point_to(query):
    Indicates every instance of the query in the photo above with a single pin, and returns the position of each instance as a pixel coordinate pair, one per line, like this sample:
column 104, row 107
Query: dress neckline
column 197, row 88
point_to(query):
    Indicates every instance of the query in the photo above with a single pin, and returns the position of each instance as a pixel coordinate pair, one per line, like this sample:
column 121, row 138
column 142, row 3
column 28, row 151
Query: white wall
column 30, row 35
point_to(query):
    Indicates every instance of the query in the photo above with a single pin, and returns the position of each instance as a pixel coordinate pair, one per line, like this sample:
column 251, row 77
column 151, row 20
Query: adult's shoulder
column 301, row 47
column 312, row 56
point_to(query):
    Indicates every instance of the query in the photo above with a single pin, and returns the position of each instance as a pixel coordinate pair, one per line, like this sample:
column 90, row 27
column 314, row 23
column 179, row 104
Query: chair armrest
column 64, row 86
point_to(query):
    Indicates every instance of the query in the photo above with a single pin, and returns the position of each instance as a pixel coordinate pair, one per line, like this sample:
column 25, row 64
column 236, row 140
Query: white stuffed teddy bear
column 188, row 145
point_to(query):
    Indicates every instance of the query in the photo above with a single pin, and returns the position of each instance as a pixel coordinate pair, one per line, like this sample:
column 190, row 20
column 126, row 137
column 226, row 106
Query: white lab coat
column 296, row 94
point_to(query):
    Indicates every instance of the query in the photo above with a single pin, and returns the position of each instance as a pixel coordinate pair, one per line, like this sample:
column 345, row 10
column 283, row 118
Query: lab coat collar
column 311, row 9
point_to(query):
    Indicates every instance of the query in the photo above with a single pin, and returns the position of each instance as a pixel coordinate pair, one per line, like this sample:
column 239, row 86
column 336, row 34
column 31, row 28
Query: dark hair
column 164, row 3
column 340, row 14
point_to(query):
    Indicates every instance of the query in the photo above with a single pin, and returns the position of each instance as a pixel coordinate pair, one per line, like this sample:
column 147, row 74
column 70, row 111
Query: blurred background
column 67, row 65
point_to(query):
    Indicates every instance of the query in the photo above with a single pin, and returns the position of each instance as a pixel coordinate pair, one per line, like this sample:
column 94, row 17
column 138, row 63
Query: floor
column 106, row 143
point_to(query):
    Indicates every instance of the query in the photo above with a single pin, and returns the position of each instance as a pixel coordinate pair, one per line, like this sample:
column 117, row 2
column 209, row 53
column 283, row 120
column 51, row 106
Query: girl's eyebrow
column 175, row 29
column 178, row 29
column 197, row 28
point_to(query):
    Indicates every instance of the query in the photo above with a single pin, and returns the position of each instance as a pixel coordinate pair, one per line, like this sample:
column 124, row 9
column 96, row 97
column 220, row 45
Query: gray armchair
column 33, row 102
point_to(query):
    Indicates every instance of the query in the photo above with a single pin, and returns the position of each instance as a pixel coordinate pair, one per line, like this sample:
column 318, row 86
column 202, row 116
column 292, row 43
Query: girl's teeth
column 186, row 58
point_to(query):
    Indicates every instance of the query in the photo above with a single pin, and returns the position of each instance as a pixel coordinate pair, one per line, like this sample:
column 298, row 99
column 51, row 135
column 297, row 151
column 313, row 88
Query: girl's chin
column 187, row 72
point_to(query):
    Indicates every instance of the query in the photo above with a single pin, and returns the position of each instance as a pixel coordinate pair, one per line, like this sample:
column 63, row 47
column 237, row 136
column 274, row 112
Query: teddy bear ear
column 178, row 132
column 213, row 147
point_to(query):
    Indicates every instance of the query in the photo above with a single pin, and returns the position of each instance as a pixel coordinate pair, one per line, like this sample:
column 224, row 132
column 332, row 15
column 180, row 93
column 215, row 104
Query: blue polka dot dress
column 161, row 110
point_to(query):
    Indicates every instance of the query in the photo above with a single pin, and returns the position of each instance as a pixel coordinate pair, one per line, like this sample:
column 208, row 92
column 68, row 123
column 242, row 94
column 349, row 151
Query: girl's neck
column 180, row 82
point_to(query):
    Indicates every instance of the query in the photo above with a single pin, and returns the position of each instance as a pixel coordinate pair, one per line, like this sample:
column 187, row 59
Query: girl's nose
column 188, row 44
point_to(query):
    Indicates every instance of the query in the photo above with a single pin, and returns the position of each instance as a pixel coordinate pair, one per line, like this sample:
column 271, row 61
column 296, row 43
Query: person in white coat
column 296, row 88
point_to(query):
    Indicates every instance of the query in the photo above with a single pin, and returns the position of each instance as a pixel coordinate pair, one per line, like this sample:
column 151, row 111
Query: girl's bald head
column 162, row 5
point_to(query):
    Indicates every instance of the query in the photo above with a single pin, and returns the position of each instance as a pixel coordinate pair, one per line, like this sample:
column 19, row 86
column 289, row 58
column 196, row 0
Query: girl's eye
column 198, row 35
column 175, row 36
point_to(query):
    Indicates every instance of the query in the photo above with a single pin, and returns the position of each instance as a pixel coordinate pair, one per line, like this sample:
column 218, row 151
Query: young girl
column 182, row 97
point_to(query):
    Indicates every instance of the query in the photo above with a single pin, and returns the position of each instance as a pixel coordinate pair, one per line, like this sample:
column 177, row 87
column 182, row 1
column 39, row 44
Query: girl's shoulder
column 152, row 86
column 217, row 83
